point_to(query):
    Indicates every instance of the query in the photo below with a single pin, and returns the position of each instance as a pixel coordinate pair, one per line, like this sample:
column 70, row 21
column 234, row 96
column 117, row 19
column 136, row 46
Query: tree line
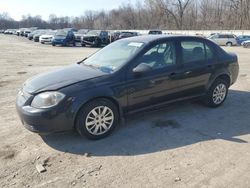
column 150, row 14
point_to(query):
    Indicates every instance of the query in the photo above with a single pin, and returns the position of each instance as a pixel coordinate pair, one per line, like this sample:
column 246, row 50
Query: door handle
column 210, row 66
column 187, row 72
column 158, row 80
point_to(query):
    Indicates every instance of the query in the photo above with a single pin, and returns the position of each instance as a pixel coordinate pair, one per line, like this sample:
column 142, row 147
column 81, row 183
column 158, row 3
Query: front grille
column 89, row 39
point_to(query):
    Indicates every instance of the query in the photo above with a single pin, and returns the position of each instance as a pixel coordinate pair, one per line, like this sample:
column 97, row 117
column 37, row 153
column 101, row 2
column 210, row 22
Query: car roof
column 153, row 38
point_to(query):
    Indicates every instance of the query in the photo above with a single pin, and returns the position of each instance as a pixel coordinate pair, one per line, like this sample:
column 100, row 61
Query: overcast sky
column 17, row 8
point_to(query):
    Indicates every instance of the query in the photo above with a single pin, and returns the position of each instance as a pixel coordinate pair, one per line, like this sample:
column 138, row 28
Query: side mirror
column 141, row 68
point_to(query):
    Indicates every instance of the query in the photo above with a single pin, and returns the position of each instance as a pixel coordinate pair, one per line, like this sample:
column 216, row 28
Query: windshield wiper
column 92, row 66
column 79, row 62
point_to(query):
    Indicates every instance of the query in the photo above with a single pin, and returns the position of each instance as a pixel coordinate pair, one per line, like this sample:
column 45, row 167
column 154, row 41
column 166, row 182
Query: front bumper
column 88, row 42
column 58, row 42
column 49, row 120
column 46, row 40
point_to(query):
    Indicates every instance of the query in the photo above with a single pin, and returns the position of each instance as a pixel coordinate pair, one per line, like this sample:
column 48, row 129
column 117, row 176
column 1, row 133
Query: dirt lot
column 184, row 145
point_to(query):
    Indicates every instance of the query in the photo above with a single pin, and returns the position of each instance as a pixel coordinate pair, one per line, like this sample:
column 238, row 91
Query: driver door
column 160, row 83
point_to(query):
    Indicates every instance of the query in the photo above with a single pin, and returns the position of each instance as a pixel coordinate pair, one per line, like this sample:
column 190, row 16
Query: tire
column 53, row 44
column 83, row 45
column 220, row 86
column 96, row 122
column 229, row 44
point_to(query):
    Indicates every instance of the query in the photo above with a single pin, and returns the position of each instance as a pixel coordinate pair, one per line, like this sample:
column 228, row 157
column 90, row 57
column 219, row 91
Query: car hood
column 246, row 41
column 89, row 36
column 60, row 78
column 46, row 36
column 79, row 35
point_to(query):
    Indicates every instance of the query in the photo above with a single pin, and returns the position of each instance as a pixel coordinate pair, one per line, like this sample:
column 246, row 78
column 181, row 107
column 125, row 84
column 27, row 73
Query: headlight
column 47, row 99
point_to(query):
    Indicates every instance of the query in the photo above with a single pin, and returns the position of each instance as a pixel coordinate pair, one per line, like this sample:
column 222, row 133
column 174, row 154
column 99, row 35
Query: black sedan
column 127, row 76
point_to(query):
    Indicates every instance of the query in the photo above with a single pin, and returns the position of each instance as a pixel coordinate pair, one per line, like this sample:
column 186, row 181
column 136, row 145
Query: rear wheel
column 217, row 93
column 229, row 44
column 97, row 119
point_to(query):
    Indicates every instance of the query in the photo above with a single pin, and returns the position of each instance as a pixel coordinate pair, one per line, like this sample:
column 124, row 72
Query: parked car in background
column 246, row 44
column 31, row 35
column 70, row 29
column 127, row 34
column 242, row 38
column 79, row 34
column 95, row 38
column 19, row 31
column 26, row 32
column 47, row 37
column 10, row 31
column 155, row 32
column 64, row 38
column 2, row 31
column 127, row 76
column 114, row 35
column 38, row 34
column 224, row 39
column 22, row 32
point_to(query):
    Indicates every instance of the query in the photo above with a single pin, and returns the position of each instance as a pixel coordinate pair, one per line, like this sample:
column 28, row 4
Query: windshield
column 50, row 32
column 61, row 33
column 113, row 56
column 82, row 31
column 93, row 32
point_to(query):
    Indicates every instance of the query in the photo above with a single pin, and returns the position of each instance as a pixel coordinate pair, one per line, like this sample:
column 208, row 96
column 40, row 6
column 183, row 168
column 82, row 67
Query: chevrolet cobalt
column 127, row 76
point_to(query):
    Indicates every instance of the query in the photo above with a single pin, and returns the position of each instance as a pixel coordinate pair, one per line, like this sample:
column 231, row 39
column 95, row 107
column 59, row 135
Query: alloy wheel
column 219, row 93
column 99, row 120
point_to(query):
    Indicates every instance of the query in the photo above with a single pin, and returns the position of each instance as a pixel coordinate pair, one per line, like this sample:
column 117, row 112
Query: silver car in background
column 224, row 39
column 47, row 37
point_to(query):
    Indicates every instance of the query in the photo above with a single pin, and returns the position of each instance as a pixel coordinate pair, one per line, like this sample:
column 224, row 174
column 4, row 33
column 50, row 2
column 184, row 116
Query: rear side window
column 230, row 36
column 209, row 52
column 193, row 51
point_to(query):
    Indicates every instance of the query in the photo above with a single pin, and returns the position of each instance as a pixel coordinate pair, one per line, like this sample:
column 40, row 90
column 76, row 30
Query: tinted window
column 160, row 56
column 209, row 52
column 222, row 36
column 230, row 36
column 193, row 51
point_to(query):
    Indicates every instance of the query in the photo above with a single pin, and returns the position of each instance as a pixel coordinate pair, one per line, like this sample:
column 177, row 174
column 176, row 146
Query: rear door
column 223, row 39
column 197, row 66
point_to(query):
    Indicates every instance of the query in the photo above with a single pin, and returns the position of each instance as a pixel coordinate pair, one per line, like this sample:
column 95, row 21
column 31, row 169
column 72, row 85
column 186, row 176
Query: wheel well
column 225, row 78
column 107, row 98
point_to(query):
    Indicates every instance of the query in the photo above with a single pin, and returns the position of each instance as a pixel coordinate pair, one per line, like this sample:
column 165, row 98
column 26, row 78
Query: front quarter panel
column 110, row 87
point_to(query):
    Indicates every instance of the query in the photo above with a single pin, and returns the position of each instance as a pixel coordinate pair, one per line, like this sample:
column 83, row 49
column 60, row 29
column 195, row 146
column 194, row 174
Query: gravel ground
column 184, row 145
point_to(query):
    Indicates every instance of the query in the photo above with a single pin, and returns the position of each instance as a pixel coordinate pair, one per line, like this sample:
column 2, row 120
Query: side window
column 193, row 51
column 160, row 56
column 215, row 37
column 209, row 52
column 223, row 36
column 230, row 36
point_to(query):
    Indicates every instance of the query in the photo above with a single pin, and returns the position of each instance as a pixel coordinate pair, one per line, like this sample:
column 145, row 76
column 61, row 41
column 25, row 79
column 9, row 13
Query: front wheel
column 217, row 93
column 97, row 119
